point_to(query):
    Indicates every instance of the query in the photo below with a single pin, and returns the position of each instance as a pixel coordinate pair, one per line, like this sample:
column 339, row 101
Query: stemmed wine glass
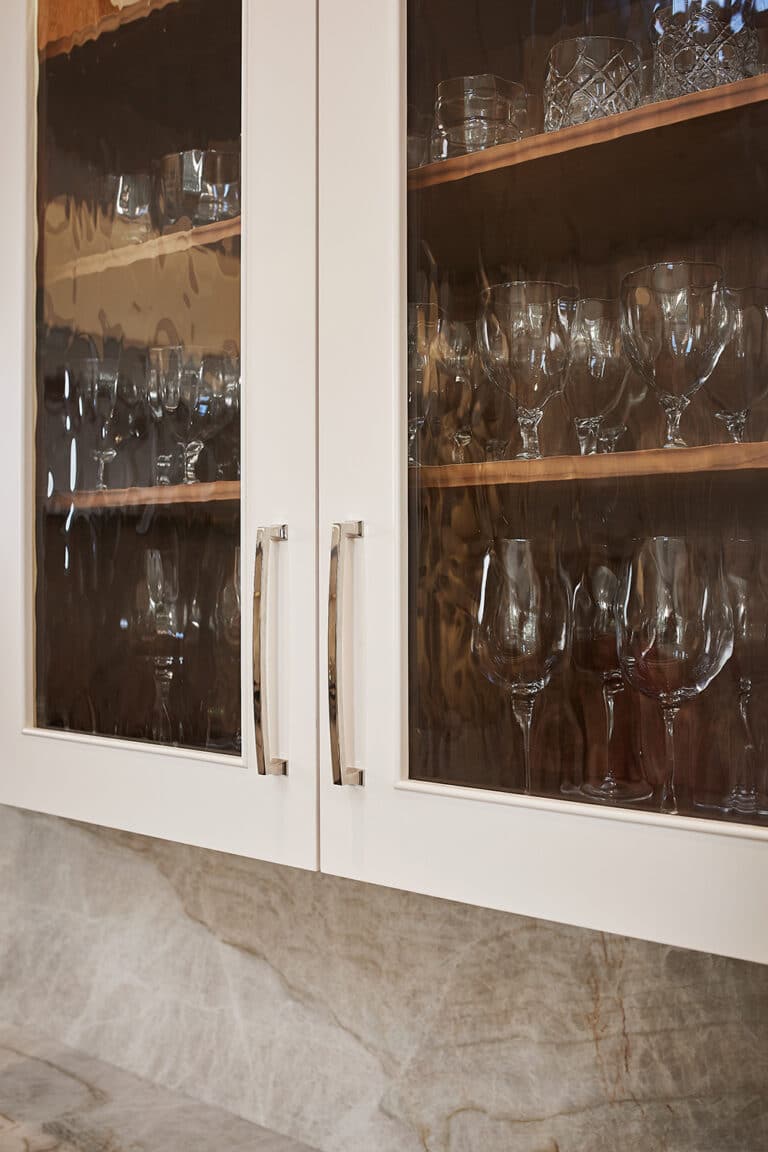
column 597, row 371
column 159, row 629
column 456, row 361
column 676, row 323
column 98, row 380
column 422, row 336
column 740, row 379
column 747, row 574
column 595, row 651
column 675, row 630
column 522, row 627
column 224, row 718
column 164, row 397
column 524, row 348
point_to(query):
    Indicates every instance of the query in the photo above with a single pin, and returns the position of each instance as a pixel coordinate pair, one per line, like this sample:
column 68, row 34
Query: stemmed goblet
column 524, row 348
column 597, row 371
column 675, row 630
column 676, row 323
column 163, row 398
column 159, row 630
column 522, row 627
column 740, row 379
column 747, row 575
column 456, row 359
column 223, row 727
column 595, row 651
column 98, row 381
column 422, row 366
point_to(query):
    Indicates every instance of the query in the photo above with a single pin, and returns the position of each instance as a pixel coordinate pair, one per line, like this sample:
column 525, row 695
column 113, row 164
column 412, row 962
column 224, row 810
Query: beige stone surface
column 364, row 1020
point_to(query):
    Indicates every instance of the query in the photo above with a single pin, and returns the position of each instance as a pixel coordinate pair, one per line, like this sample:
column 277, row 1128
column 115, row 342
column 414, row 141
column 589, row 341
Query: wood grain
column 630, row 465
column 160, row 247
column 219, row 492
column 653, row 116
column 65, row 24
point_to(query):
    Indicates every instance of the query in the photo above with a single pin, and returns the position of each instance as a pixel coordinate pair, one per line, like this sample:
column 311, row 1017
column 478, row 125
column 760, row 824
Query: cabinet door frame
column 675, row 880
column 213, row 801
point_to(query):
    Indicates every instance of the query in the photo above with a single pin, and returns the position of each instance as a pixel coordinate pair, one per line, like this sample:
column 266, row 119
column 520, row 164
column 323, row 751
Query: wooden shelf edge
column 610, row 128
column 222, row 491
column 108, row 23
column 623, row 465
column 160, row 247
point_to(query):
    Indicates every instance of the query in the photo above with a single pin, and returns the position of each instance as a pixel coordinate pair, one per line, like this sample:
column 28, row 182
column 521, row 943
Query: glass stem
column 669, row 789
column 522, row 707
column 674, row 406
column 736, row 423
column 191, row 456
column 529, row 421
column 161, row 721
column 587, row 431
column 612, row 686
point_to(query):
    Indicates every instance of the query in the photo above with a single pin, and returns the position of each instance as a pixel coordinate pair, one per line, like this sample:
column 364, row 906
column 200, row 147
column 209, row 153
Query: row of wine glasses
column 174, row 400
column 664, row 622
column 675, row 329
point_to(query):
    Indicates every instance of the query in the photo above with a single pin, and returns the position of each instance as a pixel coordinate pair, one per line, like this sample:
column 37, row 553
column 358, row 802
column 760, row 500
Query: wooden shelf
column 646, row 119
column 591, row 196
column 67, row 24
column 159, row 248
column 223, row 491
column 623, row 465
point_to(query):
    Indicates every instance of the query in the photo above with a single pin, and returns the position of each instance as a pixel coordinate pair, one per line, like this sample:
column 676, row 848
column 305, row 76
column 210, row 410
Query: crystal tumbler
column 591, row 77
column 700, row 44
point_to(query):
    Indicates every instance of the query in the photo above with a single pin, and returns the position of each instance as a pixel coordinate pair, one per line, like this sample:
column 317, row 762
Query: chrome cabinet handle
column 265, row 537
column 349, row 530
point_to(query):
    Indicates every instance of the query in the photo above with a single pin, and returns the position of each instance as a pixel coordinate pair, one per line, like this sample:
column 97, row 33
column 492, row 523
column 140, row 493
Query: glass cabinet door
column 137, row 476
column 544, row 360
column 159, row 470
column 588, row 373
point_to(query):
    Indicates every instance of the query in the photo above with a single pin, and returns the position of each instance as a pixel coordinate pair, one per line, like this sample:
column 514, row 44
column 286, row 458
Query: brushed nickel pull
column 265, row 537
column 349, row 530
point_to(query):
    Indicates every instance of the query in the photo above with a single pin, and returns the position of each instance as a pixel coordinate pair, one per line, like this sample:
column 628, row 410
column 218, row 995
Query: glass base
column 618, row 791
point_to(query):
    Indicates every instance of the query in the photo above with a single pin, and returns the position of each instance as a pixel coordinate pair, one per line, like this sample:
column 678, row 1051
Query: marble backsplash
column 364, row 1020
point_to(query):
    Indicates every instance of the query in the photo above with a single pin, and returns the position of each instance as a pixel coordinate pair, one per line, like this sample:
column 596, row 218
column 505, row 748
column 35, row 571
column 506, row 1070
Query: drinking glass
column 228, row 455
column 597, row 371
column 675, row 324
column 419, row 137
column 164, row 397
column 133, row 207
column 455, row 351
column 740, row 379
column 747, row 575
column 521, row 629
column 493, row 420
column 595, row 651
column 675, row 630
column 219, row 187
column 179, row 184
column 591, row 77
column 98, row 381
column 524, row 348
column 477, row 112
column 422, row 367
column 700, row 44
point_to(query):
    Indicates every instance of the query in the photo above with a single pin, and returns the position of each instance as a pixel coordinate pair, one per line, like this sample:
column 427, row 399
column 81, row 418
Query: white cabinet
column 472, row 613
column 444, row 807
column 127, row 626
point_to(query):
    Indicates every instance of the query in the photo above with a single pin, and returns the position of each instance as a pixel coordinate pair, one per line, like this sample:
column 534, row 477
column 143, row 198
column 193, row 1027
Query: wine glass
column 98, row 381
column 524, row 348
column 223, row 729
column 159, row 630
column 675, row 630
column 740, row 379
column 422, row 336
column 597, row 371
column 521, row 629
column 747, row 575
column 595, row 651
column 163, row 398
column 676, row 323
column 455, row 351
